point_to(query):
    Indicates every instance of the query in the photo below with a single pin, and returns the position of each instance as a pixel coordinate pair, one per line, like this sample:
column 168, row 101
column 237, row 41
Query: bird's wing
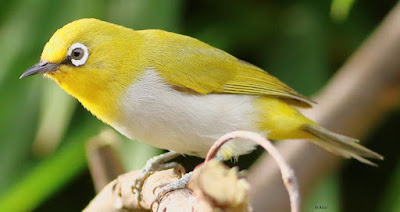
column 252, row 80
column 203, row 69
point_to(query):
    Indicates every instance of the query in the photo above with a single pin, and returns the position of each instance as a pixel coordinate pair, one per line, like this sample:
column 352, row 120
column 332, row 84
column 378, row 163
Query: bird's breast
column 159, row 115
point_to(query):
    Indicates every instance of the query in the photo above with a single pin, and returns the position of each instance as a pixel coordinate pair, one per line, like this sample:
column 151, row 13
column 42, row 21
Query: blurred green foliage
column 43, row 130
column 340, row 9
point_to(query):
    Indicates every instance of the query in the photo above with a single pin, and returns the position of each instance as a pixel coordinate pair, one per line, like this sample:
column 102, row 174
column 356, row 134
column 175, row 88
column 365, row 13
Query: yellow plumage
column 124, row 67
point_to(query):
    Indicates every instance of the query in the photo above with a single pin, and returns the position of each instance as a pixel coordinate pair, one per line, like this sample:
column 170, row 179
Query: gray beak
column 39, row 68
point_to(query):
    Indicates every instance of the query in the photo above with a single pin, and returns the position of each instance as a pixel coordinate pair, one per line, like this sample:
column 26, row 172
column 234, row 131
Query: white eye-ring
column 78, row 53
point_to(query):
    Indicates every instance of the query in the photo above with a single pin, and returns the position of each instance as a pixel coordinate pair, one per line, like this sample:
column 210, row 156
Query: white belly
column 158, row 115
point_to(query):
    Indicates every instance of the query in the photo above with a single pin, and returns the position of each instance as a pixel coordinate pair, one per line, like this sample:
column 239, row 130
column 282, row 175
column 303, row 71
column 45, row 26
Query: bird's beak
column 38, row 68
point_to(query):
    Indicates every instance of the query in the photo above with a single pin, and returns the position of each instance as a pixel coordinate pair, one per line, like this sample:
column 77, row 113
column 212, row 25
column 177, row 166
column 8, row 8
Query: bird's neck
column 98, row 96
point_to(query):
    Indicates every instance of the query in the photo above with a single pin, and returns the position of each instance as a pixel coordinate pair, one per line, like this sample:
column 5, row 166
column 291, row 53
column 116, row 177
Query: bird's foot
column 171, row 186
column 154, row 164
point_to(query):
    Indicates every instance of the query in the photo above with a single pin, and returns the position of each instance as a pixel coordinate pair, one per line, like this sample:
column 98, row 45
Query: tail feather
column 341, row 145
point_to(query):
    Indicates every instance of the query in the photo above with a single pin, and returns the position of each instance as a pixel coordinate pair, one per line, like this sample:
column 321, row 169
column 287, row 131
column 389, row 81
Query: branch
column 288, row 176
column 214, row 186
column 104, row 163
column 117, row 196
column 353, row 103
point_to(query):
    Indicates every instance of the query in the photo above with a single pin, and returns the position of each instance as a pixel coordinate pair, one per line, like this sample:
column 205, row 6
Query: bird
column 178, row 93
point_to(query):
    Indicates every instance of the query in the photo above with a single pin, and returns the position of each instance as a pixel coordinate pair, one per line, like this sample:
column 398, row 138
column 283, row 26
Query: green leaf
column 340, row 9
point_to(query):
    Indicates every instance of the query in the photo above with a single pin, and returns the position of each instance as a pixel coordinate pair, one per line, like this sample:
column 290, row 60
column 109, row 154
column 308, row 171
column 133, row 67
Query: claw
column 178, row 169
column 168, row 187
column 156, row 163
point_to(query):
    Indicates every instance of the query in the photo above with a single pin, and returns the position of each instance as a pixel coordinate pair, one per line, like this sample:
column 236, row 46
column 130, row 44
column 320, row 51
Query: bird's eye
column 78, row 54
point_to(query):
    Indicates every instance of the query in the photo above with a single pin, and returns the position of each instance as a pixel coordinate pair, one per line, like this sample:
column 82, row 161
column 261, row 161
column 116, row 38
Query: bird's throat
column 94, row 97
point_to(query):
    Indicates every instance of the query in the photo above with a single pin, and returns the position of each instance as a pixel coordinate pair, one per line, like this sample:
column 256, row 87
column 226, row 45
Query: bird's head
column 90, row 59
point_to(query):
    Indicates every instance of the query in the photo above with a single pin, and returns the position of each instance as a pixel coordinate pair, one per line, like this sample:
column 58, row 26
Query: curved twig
column 288, row 175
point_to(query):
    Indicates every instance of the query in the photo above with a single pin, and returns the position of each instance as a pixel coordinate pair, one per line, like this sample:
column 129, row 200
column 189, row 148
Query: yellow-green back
column 189, row 63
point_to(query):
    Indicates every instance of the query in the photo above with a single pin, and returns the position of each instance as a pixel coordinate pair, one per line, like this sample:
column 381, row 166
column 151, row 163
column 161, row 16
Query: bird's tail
column 341, row 145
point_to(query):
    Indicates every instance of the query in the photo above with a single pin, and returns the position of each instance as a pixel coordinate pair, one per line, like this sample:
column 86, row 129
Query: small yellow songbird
column 176, row 92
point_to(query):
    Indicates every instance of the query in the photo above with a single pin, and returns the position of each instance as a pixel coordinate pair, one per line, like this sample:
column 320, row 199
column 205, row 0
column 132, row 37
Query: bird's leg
column 171, row 186
column 154, row 164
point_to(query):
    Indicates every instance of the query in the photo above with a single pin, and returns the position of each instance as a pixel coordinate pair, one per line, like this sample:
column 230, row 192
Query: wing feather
column 193, row 65
column 252, row 80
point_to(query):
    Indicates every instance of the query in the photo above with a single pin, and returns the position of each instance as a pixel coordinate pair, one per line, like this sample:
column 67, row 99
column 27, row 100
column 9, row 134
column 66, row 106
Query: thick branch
column 360, row 95
column 214, row 186
column 117, row 196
